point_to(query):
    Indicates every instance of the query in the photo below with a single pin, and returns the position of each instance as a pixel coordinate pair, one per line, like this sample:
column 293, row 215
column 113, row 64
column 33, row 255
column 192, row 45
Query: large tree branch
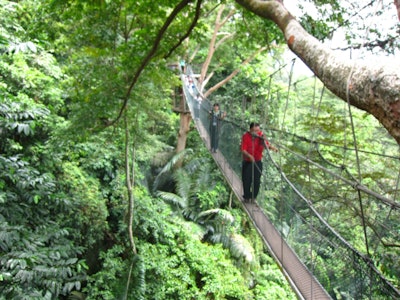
column 397, row 4
column 190, row 29
column 206, row 80
column 233, row 74
column 374, row 88
column 383, row 44
column 221, row 41
column 149, row 55
column 212, row 46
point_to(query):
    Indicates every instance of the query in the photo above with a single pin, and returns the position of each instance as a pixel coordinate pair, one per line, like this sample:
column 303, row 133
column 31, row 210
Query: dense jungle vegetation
column 95, row 201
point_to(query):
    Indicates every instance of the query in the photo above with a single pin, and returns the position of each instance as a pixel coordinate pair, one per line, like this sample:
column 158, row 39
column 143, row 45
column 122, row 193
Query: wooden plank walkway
column 304, row 284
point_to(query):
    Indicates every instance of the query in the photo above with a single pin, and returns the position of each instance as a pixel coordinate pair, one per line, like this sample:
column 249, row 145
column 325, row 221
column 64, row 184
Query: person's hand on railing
column 273, row 148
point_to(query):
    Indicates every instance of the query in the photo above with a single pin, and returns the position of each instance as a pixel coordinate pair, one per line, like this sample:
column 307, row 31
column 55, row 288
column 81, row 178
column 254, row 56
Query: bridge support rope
column 287, row 220
column 304, row 284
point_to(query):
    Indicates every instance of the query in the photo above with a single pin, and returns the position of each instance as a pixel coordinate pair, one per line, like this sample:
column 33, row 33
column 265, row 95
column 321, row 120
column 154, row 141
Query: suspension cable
column 288, row 91
column 302, row 138
column 354, row 184
column 356, row 147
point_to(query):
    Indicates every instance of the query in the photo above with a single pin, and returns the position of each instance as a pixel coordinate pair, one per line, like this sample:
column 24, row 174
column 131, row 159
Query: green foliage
column 37, row 257
column 195, row 205
column 62, row 191
column 41, row 224
column 319, row 29
column 209, row 198
column 28, row 95
column 324, row 18
column 189, row 268
column 19, row 117
column 108, row 279
column 251, row 95
column 84, row 192
column 268, row 283
column 105, row 58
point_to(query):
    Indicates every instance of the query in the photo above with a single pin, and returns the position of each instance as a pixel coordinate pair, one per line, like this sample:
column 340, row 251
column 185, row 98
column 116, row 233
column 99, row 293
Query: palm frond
column 219, row 215
column 207, row 214
column 190, row 214
column 162, row 157
column 75, row 295
column 240, row 247
column 183, row 184
column 169, row 167
column 176, row 158
column 195, row 164
column 217, row 238
column 195, row 229
column 219, row 224
column 172, row 198
column 204, row 177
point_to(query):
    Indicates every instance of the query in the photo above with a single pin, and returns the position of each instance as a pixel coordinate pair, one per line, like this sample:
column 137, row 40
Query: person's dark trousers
column 251, row 178
column 214, row 137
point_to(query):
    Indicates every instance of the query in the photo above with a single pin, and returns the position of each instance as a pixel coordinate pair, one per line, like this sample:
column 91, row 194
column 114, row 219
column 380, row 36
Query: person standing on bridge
column 215, row 119
column 252, row 146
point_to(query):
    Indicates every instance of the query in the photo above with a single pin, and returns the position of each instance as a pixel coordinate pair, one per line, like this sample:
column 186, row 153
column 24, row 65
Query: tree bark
column 185, row 119
column 374, row 88
column 397, row 4
column 130, row 181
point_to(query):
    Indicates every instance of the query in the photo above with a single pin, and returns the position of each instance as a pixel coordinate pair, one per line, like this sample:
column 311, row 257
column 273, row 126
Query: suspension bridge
column 292, row 218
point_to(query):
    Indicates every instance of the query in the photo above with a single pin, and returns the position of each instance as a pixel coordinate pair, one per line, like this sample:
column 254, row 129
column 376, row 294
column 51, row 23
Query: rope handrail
column 355, row 184
column 305, row 139
column 365, row 258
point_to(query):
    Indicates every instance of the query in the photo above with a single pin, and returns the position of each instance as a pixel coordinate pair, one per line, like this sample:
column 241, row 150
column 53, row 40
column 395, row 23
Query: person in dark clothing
column 252, row 146
column 215, row 118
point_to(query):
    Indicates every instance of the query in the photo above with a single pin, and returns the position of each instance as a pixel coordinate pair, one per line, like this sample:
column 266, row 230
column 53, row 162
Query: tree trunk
column 397, row 4
column 372, row 87
column 130, row 181
column 185, row 119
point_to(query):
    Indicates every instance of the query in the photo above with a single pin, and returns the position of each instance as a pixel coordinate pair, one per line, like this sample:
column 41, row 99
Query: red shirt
column 253, row 145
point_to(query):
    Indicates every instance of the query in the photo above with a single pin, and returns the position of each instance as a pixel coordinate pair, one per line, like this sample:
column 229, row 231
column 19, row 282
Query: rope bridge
column 301, row 194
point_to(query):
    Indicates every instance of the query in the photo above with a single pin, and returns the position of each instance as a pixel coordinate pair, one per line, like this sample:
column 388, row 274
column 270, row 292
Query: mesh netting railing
column 308, row 226
column 314, row 228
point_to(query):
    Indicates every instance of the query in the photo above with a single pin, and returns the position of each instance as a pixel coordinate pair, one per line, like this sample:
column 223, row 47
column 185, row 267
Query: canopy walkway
column 317, row 262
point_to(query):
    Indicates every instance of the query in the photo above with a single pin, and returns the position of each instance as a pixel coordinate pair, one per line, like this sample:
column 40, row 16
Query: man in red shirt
column 252, row 146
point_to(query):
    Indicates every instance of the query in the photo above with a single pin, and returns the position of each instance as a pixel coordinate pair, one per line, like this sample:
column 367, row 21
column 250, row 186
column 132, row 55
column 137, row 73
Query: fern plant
column 192, row 183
